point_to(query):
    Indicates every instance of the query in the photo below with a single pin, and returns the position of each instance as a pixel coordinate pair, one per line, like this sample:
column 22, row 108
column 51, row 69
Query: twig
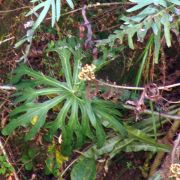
column 76, row 10
column 7, row 159
column 11, row 10
column 165, row 140
column 146, row 111
column 94, row 6
column 7, row 88
column 175, row 148
column 171, row 102
column 136, row 88
column 99, row 5
column 62, row 174
column 6, row 40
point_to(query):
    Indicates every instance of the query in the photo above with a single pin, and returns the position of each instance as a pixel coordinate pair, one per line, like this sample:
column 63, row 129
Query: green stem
column 145, row 52
column 153, row 120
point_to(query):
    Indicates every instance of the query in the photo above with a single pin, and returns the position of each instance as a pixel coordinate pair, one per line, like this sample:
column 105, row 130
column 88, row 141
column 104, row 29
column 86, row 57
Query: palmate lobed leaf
column 40, row 110
column 78, row 118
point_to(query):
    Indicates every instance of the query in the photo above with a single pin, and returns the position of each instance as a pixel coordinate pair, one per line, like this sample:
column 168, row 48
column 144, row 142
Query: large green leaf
column 135, row 147
column 32, row 110
column 77, row 117
column 141, row 136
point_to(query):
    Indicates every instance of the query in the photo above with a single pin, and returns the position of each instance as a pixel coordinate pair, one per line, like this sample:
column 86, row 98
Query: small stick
column 7, row 88
column 135, row 88
column 12, row 10
column 99, row 5
column 6, row 40
column 62, row 174
column 146, row 111
column 176, row 144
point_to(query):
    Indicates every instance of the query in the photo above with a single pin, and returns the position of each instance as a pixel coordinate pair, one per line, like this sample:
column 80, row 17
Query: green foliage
column 138, row 140
column 108, row 55
column 156, row 176
column 54, row 161
column 78, row 117
column 5, row 167
column 28, row 159
column 46, row 5
column 84, row 169
column 144, row 55
column 155, row 15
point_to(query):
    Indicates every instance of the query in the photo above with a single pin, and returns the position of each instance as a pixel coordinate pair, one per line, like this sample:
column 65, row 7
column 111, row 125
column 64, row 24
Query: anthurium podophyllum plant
column 78, row 118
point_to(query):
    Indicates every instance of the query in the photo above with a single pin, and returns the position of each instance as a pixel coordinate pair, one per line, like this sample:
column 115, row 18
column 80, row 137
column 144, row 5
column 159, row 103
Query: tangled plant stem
column 136, row 88
column 146, row 111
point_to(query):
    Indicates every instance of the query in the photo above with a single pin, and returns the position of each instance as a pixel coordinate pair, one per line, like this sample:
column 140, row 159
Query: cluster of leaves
column 155, row 15
column 5, row 167
column 28, row 159
column 78, row 117
column 139, row 139
column 54, row 161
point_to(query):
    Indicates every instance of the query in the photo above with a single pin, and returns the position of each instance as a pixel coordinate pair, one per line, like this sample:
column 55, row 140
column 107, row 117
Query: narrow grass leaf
column 153, row 120
column 70, row 3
